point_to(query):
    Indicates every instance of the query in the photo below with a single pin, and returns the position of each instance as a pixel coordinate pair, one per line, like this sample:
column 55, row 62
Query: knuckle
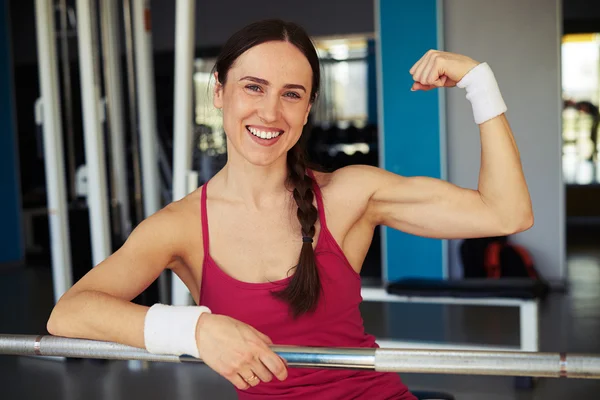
column 246, row 358
column 236, row 365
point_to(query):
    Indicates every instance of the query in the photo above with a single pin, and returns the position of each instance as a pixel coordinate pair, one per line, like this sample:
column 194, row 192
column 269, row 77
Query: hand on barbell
column 237, row 351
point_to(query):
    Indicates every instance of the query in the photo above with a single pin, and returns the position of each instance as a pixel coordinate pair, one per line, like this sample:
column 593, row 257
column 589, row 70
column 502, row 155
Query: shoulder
column 348, row 191
column 181, row 210
column 351, row 180
column 175, row 226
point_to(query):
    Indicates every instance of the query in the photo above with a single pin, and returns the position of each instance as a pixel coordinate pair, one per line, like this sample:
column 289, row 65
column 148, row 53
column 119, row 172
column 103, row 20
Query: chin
column 263, row 156
column 260, row 159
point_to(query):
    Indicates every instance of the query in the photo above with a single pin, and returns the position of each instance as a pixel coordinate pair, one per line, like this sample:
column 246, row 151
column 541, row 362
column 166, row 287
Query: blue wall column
column 372, row 81
column 11, row 246
column 410, row 124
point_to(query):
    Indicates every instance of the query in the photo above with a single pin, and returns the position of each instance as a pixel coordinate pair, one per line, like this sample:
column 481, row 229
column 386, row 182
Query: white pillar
column 93, row 135
column 182, row 116
column 142, row 34
column 62, row 278
column 114, row 93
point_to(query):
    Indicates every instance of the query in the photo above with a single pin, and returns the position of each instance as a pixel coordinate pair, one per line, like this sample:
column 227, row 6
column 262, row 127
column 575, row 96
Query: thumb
column 441, row 82
column 418, row 86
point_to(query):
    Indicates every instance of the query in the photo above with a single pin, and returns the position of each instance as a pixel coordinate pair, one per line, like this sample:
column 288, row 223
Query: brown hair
column 303, row 291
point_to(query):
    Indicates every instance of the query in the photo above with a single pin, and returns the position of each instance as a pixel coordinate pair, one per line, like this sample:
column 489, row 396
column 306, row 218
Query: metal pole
column 131, row 83
column 62, row 276
column 453, row 362
column 114, row 92
column 146, row 105
column 147, row 118
column 94, row 140
column 66, row 69
column 182, row 117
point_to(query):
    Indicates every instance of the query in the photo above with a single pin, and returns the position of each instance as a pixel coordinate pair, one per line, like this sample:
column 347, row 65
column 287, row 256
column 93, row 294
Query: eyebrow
column 266, row 83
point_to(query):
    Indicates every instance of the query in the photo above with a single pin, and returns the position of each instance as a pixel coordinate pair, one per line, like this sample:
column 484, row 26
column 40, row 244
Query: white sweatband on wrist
column 483, row 93
column 172, row 329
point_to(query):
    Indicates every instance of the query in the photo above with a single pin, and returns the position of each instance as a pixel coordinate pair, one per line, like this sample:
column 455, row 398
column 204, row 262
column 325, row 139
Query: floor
column 570, row 321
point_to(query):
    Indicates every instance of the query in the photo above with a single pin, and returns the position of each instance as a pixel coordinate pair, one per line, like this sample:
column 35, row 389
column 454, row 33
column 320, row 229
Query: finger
column 275, row 364
column 425, row 56
column 435, row 73
column 425, row 67
column 249, row 377
column 418, row 75
column 261, row 371
column 238, row 382
column 415, row 66
column 430, row 73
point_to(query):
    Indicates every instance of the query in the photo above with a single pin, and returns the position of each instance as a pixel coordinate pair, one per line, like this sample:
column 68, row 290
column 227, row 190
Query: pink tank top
column 336, row 322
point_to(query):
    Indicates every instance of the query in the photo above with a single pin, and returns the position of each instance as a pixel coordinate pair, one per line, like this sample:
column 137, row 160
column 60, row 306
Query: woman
column 235, row 241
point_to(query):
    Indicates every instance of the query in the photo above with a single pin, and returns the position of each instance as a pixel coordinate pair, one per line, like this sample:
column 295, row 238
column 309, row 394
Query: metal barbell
column 455, row 362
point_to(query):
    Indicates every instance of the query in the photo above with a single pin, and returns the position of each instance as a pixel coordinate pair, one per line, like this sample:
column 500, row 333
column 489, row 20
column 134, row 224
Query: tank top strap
column 319, row 196
column 204, row 216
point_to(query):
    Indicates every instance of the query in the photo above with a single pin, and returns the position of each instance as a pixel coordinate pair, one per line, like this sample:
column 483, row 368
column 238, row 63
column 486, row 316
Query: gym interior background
column 545, row 54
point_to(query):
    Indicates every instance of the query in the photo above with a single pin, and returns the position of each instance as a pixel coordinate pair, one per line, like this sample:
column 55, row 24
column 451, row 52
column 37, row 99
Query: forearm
column 98, row 316
column 502, row 184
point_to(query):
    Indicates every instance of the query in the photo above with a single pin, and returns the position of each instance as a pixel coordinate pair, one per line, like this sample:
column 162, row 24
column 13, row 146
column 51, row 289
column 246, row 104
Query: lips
column 266, row 134
column 256, row 135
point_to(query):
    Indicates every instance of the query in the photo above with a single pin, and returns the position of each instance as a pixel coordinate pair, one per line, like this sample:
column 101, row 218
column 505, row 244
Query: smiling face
column 265, row 101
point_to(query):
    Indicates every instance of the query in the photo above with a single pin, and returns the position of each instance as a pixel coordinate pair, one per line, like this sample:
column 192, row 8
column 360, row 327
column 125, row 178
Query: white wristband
column 172, row 329
column 483, row 93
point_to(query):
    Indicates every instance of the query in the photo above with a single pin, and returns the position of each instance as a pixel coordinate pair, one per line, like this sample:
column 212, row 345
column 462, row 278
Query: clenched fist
column 440, row 69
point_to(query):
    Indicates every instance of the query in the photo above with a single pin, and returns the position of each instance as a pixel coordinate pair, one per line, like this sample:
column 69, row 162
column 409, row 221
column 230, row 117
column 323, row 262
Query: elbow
column 52, row 325
column 58, row 321
column 51, row 328
column 55, row 321
column 517, row 222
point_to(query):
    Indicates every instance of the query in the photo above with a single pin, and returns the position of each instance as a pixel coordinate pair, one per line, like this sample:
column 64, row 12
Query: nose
column 270, row 108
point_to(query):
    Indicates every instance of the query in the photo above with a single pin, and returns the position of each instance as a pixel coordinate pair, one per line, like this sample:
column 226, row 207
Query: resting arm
column 99, row 306
column 434, row 208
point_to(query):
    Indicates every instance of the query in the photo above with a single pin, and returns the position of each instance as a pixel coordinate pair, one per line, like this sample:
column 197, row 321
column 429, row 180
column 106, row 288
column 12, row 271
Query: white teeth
column 264, row 135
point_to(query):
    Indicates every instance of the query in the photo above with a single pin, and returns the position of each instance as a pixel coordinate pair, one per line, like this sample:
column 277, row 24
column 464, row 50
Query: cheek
column 235, row 110
column 296, row 116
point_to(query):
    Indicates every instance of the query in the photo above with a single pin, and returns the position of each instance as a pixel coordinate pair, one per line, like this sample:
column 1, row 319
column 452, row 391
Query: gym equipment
column 453, row 362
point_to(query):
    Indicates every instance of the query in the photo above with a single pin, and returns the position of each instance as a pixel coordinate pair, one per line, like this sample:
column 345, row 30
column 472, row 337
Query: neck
column 256, row 186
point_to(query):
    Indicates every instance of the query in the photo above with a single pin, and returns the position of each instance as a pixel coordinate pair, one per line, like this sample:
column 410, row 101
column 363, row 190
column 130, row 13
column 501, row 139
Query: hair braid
column 303, row 291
